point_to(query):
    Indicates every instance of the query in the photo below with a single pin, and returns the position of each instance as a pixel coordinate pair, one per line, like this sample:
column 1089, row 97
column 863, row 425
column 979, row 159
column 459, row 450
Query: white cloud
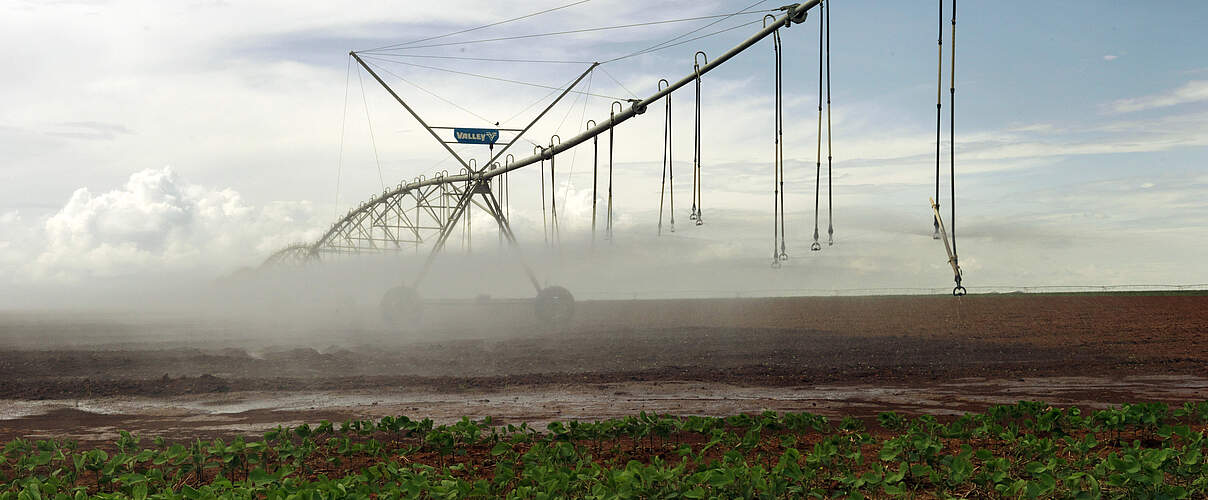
column 159, row 222
column 1110, row 57
column 1193, row 91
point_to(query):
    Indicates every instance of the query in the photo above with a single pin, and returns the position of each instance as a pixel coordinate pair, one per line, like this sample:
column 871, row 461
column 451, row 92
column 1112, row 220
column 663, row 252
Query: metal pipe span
column 635, row 109
column 640, row 107
column 797, row 11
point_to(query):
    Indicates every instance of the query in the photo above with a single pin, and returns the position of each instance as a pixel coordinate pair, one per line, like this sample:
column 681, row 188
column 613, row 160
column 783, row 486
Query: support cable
column 618, row 82
column 667, row 168
column 719, row 17
column 539, row 101
column 690, row 40
column 476, row 28
column 830, row 198
column 343, row 122
column 574, row 154
column 697, row 203
column 486, row 77
column 482, row 59
column 818, row 162
column 372, row 140
column 669, row 42
column 431, row 93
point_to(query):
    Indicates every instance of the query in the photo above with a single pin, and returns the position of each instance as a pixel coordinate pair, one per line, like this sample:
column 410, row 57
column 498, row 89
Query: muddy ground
column 84, row 376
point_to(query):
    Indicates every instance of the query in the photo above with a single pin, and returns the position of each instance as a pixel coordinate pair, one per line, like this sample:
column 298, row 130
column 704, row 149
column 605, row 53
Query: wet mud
column 830, row 355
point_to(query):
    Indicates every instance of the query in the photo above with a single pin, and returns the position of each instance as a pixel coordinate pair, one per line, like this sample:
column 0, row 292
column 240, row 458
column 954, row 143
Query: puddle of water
column 245, row 411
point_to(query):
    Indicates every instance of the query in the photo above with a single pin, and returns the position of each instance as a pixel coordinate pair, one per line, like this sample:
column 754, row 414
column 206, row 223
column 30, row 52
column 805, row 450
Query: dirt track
column 858, row 354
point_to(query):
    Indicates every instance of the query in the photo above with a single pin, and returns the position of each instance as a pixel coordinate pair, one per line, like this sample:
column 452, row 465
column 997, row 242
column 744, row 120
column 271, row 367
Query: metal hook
column 783, row 254
column 615, row 105
column 696, row 62
column 816, row 246
column 508, row 159
column 661, row 82
column 959, row 291
column 551, row 140
column 590, row 124
column 765, row 19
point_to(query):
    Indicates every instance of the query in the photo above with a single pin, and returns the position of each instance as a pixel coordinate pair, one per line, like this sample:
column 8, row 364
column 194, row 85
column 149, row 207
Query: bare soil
column 851, row 355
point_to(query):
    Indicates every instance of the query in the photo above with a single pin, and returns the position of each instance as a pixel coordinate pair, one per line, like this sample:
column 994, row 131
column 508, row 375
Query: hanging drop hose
column 473, row 166
column 943, row 231
column 611, row 113
column 670, row 165
column 784, row 255
column 818, row 165
column 958, row 290
column 695, row 150
column 553, row 187
column 666, row 158
column 507, row 187
column 544, row 221
column 939, row 86
column 698, row 209
column 830, row 198
column 777, row 172
column 595, row 167
column 498, row 190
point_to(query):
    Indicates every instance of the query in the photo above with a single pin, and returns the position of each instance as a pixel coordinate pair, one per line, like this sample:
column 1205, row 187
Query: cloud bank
column 157, row 222
column 1193, row 91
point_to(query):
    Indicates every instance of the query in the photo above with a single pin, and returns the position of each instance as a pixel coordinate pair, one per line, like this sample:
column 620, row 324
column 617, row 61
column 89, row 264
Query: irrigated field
column 86, row 376
column 854, row 396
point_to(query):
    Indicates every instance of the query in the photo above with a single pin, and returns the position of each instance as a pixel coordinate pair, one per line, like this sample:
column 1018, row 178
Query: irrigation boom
column 414, row 212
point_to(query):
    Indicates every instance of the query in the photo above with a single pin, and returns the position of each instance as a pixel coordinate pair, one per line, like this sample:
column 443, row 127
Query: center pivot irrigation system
column 431, row 209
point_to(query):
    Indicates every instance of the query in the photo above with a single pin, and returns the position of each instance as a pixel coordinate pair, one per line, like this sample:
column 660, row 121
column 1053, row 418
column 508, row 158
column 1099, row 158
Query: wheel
column 401, row 307
column 555, row 305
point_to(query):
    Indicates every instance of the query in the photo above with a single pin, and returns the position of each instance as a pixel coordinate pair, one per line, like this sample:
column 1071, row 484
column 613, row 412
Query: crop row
column 1026, row 450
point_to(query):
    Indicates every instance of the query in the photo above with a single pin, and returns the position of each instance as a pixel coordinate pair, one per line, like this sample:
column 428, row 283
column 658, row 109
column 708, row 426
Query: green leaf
column 894, row 489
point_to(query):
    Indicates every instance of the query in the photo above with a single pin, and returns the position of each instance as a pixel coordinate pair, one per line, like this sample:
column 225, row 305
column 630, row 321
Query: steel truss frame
column 420, row 211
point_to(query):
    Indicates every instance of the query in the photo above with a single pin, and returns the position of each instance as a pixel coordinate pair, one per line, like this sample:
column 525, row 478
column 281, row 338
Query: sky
column 186, row 140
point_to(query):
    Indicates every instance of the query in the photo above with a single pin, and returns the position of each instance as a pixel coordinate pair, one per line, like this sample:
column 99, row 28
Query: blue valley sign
column 476, row 135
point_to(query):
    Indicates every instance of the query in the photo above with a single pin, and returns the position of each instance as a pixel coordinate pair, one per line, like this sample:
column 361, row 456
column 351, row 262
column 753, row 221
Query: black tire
column 555, row 305
column 401, row 307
